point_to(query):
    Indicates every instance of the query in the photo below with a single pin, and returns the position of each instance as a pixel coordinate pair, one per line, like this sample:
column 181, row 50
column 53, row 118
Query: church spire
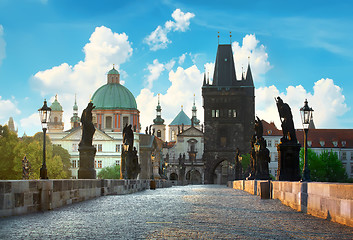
column 75, row 119
column 158, row 120
column 204, row 79
column 194, row 120
column 224, row 71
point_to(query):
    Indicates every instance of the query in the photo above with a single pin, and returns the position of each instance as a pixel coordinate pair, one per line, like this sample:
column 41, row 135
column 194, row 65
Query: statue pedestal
column 86, row 170
column 288, row 161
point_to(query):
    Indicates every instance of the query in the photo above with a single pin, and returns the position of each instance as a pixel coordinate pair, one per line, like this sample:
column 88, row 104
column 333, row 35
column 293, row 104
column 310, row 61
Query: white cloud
column 327, row 101
column 258, row 57
column 184, row 84
column 155, row 70
column 103, row 49
column 2, row 44
column 8, row 109
column 158, row 39
column 31, row 124
column 182, row 59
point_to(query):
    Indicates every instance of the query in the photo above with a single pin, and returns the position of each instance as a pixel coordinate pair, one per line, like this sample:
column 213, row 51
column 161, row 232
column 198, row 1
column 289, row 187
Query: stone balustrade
column 28, row 196
column 331, row 201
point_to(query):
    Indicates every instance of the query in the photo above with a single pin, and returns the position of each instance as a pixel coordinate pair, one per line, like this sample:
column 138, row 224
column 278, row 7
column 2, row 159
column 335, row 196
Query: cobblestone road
column 190, row 212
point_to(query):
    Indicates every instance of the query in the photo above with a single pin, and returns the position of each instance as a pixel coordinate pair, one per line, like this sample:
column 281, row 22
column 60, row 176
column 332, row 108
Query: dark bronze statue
column 258, row 128
column 287, row 124
column 87, row 126
column 130, row 167
column 87, row 151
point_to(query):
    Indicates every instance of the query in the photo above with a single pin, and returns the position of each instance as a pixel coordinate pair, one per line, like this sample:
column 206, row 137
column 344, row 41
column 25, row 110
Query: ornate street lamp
column 306, row 114
column 44, row 114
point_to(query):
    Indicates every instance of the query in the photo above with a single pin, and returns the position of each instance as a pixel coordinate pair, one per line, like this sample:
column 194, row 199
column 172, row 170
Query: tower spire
column 158, row 120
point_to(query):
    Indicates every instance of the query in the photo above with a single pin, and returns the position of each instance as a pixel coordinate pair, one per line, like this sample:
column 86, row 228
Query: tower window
column 159, row 133
column 56, row 119
column 234, row 113
column 108, row 122
column 217, row 113
column 213, row 113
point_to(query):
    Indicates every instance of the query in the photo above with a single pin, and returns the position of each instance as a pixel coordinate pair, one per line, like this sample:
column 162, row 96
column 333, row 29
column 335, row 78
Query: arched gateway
column 229, row 113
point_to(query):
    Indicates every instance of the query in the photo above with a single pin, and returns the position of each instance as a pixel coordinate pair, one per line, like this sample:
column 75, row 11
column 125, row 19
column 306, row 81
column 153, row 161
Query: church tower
column 56, row 124
column 75, row 119
column 158, row 123
column 229, row 112
column 194, row 121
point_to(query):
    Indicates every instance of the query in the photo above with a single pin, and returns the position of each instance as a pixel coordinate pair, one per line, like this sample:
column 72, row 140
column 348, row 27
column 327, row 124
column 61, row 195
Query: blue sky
column 297, row 50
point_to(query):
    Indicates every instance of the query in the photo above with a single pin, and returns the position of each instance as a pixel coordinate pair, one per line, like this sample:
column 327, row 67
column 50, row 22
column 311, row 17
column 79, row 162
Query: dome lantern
column 113, row 76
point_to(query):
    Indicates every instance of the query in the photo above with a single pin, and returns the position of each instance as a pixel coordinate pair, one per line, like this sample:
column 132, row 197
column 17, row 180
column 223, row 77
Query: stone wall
column 22, row 196
column 331, row 201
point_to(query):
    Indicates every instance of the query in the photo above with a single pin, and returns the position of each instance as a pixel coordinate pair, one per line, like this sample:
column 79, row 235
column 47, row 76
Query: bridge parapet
column 28, row 196
column 331, row 201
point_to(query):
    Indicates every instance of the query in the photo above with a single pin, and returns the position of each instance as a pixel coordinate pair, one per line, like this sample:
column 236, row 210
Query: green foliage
column 112, row 172
column 8, row 141
column 13, row 150
column 325, row 167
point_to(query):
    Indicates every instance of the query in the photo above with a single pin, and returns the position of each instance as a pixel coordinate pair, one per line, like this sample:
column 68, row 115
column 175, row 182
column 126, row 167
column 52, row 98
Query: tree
column 112, row 172
column 8, row 141
column 325, row 167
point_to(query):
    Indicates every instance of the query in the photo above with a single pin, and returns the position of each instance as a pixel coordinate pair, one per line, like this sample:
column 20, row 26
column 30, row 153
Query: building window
column 276, row 157
column 213, row 113
column 269, row 143
column 276, row 143
column 234, row 113
column 74, row 164
column 78, row 163
column 116, row 162
column 159, row 133
column 98, row 147
column 56, row 119
column 343, row 143
column 310, row 143
column 230, row 113
column 125, row 121
column 217, row 113
column 335, row 143
column 95, row 164
column 99, row 163
column 322, row 143
column 118, row 148
column 74, row 147
column 344, row 156
column 108, row 122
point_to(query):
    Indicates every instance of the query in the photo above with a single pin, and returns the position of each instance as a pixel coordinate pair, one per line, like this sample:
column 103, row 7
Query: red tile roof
column 343, row 137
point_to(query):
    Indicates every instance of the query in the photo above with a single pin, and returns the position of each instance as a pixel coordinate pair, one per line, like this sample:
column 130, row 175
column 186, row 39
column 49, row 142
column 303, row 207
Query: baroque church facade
column 115, row 106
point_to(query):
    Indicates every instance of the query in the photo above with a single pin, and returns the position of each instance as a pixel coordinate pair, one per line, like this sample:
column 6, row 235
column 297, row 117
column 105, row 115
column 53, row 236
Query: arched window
column 55, row 119
column 159, row 133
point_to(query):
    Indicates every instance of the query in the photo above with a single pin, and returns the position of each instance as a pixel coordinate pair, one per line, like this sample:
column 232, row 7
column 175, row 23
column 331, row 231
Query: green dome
column 55, row 106
column 113, row 96
column 113, row 71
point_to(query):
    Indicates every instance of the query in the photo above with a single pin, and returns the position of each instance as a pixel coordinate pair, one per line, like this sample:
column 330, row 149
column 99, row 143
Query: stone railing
column 22, row 196
column 331, row 201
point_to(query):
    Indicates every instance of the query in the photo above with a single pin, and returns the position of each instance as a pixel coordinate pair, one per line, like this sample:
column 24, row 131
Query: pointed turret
column 248, row 80
column 56, row 123
column 224, row 73
column 204, row 79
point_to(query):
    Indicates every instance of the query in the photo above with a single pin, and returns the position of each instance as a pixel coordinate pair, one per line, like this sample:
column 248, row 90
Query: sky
column 297, row 50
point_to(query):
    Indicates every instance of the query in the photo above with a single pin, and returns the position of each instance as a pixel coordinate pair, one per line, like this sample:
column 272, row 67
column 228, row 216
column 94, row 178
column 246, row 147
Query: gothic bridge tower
column 229, row 113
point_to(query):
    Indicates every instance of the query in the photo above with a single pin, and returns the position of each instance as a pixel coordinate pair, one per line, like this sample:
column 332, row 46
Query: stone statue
column 238, row 166
column 178, row 129
column 87, row 151
column 287, row 124
column 128, row 136
column 182, row 127
column 150, row 130
column 258, row 128
column 288, row 149
column 146, row 130
column 153, row 131
column 87, row 126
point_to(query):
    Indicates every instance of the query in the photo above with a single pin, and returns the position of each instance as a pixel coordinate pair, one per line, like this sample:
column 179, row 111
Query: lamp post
column 44, row 113
column 306, row 115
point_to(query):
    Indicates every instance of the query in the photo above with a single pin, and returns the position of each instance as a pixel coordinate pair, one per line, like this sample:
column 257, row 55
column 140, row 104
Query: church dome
column 56, row 106
column 113, row 96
